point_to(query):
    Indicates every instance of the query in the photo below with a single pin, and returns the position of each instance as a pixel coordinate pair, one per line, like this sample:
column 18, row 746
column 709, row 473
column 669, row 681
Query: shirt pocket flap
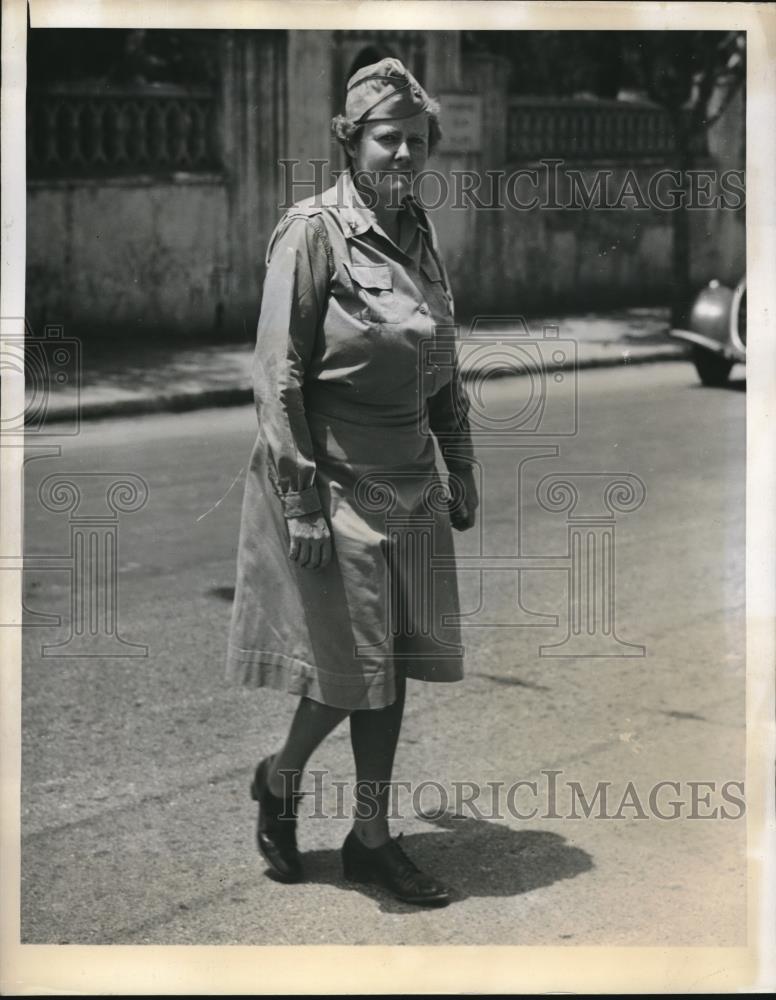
column 371, row 275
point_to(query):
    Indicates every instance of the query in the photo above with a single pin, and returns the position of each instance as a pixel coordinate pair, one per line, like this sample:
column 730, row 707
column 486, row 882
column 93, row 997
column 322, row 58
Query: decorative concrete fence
column 79, row 132
column 584, row 130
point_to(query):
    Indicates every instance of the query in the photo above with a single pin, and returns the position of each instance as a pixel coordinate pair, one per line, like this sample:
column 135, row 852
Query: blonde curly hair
column 344, row 130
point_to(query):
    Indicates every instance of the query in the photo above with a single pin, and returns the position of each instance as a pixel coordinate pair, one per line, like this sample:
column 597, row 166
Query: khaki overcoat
column 354, row 379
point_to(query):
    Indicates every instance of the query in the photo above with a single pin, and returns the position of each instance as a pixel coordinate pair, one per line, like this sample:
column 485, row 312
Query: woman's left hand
column 464, row 514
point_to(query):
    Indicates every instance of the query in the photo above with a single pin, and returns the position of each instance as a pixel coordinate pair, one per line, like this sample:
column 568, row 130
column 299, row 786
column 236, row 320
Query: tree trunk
column 680, row 219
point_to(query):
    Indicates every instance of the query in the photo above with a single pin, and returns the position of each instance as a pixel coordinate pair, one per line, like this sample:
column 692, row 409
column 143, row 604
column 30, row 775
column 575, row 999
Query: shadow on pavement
column 474, row 857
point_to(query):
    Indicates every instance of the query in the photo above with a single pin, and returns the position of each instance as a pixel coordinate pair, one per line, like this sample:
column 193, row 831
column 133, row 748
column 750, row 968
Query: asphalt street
column 137, row 826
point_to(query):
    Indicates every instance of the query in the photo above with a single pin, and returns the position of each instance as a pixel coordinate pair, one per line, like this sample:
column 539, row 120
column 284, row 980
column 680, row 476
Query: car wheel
column 711, row 368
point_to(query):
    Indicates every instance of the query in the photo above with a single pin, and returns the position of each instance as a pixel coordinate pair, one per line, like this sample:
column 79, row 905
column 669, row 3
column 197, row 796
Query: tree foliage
column 675, row 69
column 692, row 75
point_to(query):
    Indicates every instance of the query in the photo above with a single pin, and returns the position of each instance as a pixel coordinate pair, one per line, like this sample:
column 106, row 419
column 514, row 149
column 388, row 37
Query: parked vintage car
column 717, row 331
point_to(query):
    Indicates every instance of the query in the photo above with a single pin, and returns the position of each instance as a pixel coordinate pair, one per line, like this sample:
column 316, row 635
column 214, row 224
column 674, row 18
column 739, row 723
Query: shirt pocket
column 373, row 286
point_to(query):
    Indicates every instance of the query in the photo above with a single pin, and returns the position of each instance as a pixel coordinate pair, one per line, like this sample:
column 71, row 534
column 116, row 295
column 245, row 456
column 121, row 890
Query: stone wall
column 180, row 251
column 544, row 260
column 128, row 256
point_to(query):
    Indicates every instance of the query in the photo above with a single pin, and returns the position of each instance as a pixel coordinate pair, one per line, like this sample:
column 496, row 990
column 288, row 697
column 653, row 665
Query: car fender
column 713, row 322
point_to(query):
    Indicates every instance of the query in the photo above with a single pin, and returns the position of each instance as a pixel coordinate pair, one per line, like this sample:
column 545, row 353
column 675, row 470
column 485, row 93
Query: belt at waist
column 327, row 402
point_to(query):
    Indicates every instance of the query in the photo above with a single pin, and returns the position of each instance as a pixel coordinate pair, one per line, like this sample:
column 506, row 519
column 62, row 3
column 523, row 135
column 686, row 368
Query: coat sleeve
column 448, row 419
column 293, row 300
column 448, row 409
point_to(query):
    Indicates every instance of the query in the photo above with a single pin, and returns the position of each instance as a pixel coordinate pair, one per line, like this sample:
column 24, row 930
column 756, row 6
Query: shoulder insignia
column 301, row 210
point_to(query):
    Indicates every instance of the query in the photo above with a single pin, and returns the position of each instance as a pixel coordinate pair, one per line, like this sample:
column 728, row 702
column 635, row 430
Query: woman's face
column 389, row 154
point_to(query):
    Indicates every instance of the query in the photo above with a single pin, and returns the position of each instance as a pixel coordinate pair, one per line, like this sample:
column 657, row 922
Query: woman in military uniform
column 338, row 599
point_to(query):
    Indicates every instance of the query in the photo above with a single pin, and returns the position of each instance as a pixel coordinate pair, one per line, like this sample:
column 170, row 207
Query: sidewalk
column 117, row 381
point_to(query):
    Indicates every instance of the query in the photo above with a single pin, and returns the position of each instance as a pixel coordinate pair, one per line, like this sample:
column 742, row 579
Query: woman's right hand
column 309, row 541
column 464, row 513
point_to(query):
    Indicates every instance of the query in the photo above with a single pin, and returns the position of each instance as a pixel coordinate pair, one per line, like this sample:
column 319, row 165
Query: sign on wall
column 461, row 121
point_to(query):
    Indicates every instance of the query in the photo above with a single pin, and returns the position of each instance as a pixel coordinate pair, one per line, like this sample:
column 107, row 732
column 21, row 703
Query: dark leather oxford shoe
column 276, row 827
column 390, row 867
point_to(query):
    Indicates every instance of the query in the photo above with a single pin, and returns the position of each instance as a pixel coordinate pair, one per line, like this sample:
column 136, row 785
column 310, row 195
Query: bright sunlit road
column 137, row 825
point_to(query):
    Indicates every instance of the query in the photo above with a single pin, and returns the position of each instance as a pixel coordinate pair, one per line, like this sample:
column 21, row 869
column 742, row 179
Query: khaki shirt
column 360, row 328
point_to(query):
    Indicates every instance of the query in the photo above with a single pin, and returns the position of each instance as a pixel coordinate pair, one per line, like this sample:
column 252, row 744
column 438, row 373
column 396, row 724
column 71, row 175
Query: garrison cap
column 385, row 89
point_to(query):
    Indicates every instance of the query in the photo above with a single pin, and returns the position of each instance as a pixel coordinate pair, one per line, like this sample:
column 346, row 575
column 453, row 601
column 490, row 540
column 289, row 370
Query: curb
column 240, row 395
column 167, row 403
column 624, row 359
